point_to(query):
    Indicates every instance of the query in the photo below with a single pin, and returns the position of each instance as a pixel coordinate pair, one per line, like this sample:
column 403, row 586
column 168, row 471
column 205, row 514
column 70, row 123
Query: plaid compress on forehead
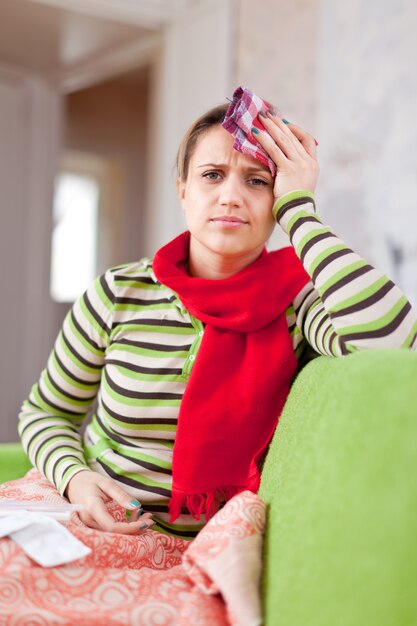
column 241, row 116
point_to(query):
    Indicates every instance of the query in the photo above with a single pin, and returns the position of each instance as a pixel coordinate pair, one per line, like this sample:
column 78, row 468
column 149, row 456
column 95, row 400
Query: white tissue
column 44, row 539
column 58, row 510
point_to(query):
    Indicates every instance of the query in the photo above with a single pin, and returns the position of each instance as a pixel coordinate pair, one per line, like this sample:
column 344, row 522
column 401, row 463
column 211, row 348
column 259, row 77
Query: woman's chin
column 230, row 248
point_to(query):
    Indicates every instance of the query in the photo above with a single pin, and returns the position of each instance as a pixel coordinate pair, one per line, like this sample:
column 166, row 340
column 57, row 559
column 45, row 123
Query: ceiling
column 79, row 42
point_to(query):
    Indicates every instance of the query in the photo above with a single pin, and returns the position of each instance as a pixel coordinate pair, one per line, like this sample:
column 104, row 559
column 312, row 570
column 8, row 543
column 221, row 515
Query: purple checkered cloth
column 240, row 117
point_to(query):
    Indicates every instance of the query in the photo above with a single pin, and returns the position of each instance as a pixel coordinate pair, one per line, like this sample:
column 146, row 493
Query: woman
column 199, row 347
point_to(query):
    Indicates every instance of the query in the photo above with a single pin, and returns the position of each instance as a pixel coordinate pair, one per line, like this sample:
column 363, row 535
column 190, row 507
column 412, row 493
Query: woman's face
column 227, row 200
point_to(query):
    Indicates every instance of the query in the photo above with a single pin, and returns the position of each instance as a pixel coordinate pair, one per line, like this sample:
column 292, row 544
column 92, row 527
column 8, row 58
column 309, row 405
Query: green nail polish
column 134, row 502
column 285, row 121
column 255, row 131
column 143, row 527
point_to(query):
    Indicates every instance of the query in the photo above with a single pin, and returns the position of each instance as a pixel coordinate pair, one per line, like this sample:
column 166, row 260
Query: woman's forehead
column 215, row 146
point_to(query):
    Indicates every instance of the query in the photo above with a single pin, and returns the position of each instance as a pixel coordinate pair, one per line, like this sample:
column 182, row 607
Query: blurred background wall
column 100, row 92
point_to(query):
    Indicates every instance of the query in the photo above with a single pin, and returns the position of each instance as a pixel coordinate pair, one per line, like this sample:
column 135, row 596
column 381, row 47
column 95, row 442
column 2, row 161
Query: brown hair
column 213, row 117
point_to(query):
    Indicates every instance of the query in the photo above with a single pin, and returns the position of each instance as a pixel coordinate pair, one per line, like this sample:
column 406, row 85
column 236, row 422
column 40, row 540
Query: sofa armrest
column 340, row 484
column 13, row 462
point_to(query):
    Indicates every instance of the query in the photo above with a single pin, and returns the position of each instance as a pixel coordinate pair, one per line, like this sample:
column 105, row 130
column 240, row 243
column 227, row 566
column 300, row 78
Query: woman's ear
column 180, row 189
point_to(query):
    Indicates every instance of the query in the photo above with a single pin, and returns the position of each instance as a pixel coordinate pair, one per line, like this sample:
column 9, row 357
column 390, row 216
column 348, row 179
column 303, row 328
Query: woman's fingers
column 307, row 141
column 112, row 490
column 291, row 138
column 294, row 153
column 135, row 524
column 92, row 491
column 107, row 523
column 279, row 141
column 282, row 133
column 143, row 523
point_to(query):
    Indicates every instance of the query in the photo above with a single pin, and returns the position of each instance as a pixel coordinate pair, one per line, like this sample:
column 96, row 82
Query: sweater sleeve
column 348, row 305
column 50, row 418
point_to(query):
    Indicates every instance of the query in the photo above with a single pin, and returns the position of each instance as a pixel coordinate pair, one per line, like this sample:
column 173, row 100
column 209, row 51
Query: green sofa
column 340, row 485
column 13, row 462
column 341, row 489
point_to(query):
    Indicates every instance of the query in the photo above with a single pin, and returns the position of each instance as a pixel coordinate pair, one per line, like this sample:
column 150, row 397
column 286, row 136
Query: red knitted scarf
column 241, row 376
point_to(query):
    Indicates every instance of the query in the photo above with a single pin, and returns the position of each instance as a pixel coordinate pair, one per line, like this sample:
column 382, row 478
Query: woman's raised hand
column 92, row 491
column 293, row 151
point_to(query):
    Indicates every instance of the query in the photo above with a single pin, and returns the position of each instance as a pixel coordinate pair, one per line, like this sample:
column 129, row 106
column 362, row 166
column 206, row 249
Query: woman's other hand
column 92, row 491
column 293, row 151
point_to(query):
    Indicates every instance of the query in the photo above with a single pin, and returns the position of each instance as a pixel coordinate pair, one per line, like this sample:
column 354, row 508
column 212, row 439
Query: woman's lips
column 228, row 221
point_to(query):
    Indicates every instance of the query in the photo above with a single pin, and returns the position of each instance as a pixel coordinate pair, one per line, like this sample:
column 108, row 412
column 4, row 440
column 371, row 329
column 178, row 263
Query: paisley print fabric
column 149, row 580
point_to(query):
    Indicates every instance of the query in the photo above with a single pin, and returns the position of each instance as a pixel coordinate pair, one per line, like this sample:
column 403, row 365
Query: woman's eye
column 258, row 182
column 211, row 175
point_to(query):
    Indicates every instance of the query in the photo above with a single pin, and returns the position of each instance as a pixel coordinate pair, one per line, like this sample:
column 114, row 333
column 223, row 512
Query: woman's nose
column 231, row 192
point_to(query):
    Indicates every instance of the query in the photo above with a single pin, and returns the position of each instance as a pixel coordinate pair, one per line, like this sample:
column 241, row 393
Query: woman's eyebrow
column 212, row 165
column 262, row 170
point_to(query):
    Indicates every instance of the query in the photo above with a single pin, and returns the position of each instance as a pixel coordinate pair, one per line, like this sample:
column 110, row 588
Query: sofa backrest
column 340, row 484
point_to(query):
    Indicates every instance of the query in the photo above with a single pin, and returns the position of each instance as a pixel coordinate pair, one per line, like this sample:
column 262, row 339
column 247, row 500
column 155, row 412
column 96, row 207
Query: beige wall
column 276, row 55
column 29, row 127
column 368, row 131
column 347, row 72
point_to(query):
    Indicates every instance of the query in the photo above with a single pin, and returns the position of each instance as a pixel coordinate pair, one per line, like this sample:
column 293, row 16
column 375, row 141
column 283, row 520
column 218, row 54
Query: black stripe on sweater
column 381, row 332
column 95, row 315
column 345, row 280
column 172, row 531
column 67, row 425
column 332, row 339
column 83, row 334
column 291, row 204
column 57, row 408
column 138, row 420
column 140, row 395
column 363, row 304
column 145, row 302
column 153, row 322
column 329, row 259
column 145, row 280
column 78, row 355
column 312, row 242
column 59, row 460
column 105, row 287
column 45, row 442
column 69, row 395
column 159, row 347
column 70, row 375
column 152, row 467
column 300, row 221
column 133, row 483
column 174, row 371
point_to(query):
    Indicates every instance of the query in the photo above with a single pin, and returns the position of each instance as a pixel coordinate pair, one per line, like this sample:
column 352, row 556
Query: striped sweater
column 127, row 348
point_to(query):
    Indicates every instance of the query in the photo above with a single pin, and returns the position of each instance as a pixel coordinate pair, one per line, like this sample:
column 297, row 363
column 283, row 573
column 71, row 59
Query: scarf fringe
column 197, row 504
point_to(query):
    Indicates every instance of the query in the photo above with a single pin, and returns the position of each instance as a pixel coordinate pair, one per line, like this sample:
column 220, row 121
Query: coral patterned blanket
column 151, row 579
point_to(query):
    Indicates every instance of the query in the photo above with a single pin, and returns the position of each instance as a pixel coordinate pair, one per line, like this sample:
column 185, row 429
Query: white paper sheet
column 43, row 538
